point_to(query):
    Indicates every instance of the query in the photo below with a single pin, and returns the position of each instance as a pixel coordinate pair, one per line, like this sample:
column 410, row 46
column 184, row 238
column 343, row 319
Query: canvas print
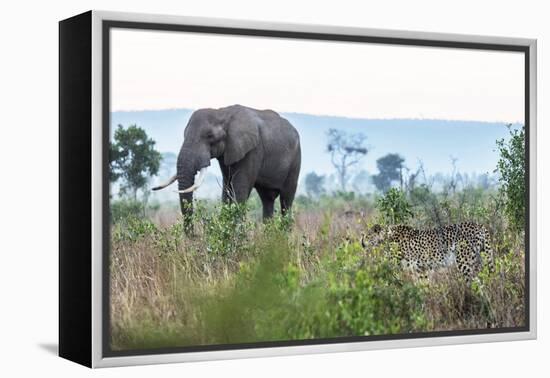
column 277, row 190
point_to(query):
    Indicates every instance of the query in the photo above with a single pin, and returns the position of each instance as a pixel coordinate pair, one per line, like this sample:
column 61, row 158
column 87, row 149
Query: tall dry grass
column 276, row 283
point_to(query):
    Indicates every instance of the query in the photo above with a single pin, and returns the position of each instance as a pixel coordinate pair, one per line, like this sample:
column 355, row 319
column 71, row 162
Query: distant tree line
column 347, row 150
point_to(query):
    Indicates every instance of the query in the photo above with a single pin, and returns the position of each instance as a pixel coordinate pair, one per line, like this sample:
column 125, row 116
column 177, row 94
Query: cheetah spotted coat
column 423, row 250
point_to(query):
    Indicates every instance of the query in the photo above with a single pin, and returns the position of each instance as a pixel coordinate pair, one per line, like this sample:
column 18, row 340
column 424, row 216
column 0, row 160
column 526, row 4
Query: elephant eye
column 210, row 135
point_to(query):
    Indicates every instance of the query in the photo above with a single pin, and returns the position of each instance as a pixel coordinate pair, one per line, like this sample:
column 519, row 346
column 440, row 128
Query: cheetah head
column 376, row 235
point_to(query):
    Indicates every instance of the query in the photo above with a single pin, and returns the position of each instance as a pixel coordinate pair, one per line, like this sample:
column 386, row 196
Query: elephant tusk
column 198, row 183
column 169, row 182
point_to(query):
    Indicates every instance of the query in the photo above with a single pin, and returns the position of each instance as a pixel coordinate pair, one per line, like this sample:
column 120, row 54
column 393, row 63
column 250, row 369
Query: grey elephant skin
column 255, row 149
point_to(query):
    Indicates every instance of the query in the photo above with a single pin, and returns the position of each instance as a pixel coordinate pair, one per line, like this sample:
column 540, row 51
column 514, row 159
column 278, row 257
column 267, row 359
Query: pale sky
column 165, row 70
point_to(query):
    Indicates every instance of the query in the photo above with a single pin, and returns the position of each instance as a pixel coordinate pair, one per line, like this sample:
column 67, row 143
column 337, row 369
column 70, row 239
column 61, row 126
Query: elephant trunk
column 189, row 163
column 186, row 203
column 186, row 179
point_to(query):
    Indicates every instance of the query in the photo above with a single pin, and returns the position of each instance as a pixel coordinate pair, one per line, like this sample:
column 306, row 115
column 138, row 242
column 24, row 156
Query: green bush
column 126, row 208
column 394, row 207
column 225, row 228
column 511, row 167
column 131, row 229
column 361, row 296
column 246, row 310
column 353, row 297
column 373, row 302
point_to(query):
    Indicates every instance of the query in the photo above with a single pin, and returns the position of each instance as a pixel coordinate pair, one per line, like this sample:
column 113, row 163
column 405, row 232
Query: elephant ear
column 243, row 135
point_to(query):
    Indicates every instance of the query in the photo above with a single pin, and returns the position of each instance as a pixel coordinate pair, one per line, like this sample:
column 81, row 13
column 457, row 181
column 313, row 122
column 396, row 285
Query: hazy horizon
column 281, row 112
column 434, row 142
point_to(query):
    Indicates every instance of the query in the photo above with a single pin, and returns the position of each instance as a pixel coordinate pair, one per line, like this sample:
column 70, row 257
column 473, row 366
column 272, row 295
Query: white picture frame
column 91, row 331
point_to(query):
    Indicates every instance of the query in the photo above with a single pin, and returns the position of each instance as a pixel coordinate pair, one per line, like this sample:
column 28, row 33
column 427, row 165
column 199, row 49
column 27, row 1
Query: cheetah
column 424, row 250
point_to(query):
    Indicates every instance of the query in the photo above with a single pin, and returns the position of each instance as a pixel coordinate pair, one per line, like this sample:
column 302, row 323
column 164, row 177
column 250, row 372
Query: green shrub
column 373, row 302
column 511, row 167
column 394, row 207
column 246, row 310
column 280, row 223
column 361, row 296
column 126, row 208
column 225, row 228
column 131, row 229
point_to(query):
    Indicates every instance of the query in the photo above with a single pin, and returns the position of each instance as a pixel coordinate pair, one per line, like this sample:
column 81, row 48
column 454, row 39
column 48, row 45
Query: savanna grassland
column 238, row 280
column 235, row 279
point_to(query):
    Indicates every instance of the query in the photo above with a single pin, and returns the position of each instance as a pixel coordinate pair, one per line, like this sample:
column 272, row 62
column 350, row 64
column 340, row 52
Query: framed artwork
column 234, row 189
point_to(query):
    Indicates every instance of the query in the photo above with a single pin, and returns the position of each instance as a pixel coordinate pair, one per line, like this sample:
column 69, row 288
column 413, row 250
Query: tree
column 423, row 196
column 390, row 168
column 132, row 158
column 454, row 179
column 315, row 184
column 411, row 179
column 345, row 152
column 511, row 167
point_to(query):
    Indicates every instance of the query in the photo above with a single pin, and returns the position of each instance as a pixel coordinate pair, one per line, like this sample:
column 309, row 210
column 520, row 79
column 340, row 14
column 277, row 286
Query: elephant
column 255, row 149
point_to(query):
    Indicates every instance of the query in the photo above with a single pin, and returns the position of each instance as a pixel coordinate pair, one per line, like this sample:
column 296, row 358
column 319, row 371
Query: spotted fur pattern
column 424, row 250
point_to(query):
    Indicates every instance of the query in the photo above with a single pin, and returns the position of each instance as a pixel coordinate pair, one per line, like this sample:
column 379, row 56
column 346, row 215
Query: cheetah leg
column 463, row 257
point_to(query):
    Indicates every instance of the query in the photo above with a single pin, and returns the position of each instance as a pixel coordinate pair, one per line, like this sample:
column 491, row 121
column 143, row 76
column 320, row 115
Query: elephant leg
column 235, row 189
column 238, row 188
column 286, row 202
column 239, row 179
column 226, row 191
column 226, row 187
column 268, row 197
column 289, row 188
